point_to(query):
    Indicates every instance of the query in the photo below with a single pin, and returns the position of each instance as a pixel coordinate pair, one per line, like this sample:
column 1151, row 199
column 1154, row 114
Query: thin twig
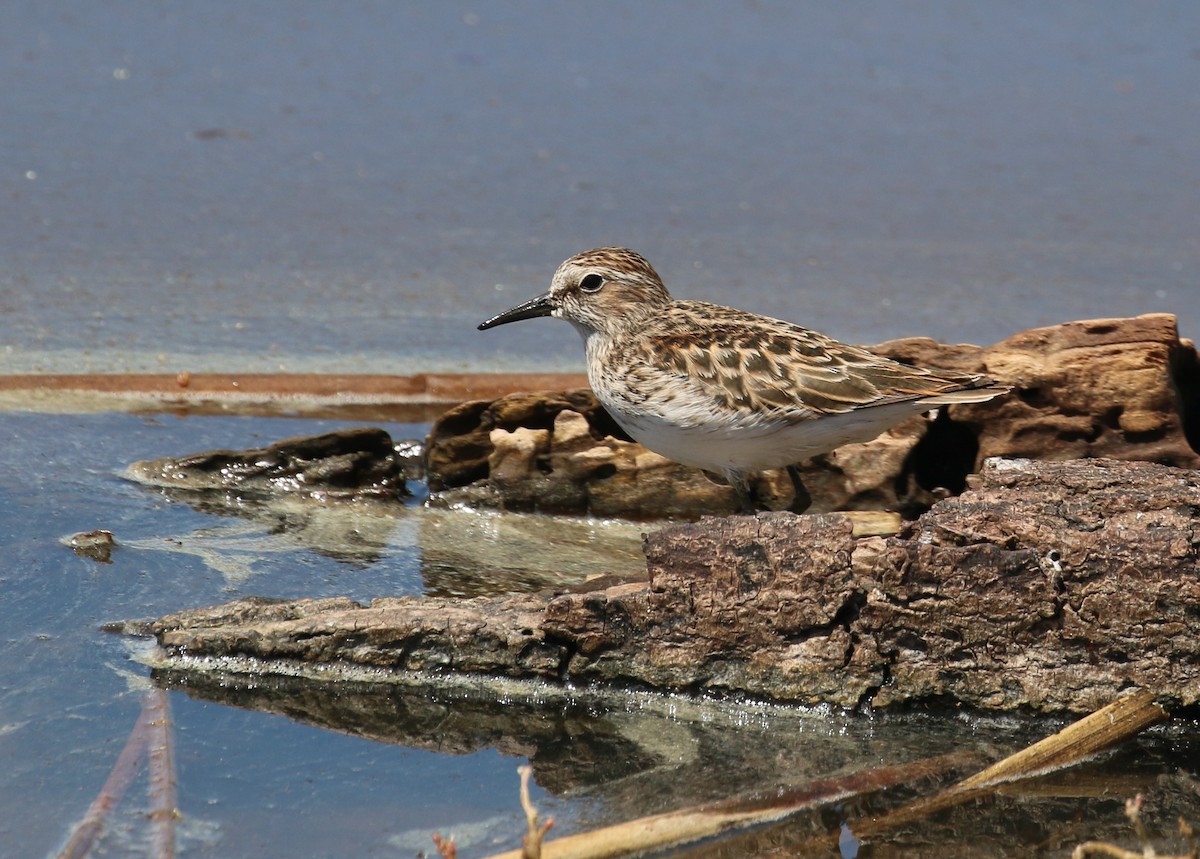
column 163, row 808
column 531, row 844
column 1103, row 848
column 446, row 847
column 88, row 829
column 1133, row 810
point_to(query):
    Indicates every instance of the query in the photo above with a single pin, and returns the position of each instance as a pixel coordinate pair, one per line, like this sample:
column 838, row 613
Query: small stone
column 97, row 545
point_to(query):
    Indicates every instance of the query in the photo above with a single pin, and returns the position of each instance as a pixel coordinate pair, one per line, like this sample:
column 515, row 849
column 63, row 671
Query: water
column 251, row 784
column 311, row 187
column 320, row 187
column 280, row 768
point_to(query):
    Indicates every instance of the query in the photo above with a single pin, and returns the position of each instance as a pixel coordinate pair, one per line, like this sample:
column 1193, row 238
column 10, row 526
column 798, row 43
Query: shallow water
column 302, row 186
column 252, row 784
column 280, row 768
column 315, row 187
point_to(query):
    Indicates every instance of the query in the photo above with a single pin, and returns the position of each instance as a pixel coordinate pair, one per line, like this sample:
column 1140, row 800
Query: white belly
column 756, row 446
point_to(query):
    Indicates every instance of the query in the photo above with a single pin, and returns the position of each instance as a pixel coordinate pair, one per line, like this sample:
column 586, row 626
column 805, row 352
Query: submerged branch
column 1107, row 727
column 163, row 809
column 88, row 829
column 1101, row 730
column 692, row 824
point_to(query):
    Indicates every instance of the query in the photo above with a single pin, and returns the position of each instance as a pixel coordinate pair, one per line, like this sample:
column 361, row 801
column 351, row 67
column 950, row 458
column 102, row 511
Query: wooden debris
column 531, row 842
column 674, row 828
column 150, row 738
column 1133, row 810
column 84, row 834
column 1109, row 726
column 1049, row 586
column 163, row 804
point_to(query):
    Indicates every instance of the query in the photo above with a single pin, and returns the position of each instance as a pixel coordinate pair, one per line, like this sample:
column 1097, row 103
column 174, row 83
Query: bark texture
column 1047, row 586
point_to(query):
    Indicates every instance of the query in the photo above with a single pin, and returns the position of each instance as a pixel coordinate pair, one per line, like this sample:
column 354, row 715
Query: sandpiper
column 722, row 389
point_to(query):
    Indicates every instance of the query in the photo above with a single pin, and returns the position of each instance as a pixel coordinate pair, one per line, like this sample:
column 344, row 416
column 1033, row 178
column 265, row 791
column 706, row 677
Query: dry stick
column 1133, row 810
column 1081, row 740
column 1105, row 728
column 88, row 829
column 531, row 844
column 1108, row 726
column 703, row 821
column 1103, row 848
column 162, row 776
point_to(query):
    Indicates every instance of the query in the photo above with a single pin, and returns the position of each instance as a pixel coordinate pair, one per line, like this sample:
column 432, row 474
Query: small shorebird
column 724, row 390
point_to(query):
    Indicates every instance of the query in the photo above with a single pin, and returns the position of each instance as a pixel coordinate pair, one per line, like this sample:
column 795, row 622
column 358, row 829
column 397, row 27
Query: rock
column 1121, row 388
column 1047, row 586
column 97, row 545
column 358, row 462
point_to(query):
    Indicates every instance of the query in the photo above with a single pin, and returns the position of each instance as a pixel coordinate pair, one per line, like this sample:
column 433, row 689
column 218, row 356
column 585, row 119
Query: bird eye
column 591, row 283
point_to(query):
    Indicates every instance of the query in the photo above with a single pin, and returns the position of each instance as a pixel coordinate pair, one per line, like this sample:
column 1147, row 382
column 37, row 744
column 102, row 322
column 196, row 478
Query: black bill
column 534, row 307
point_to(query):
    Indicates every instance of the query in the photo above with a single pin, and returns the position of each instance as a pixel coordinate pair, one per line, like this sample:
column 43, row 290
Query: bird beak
column 534, row 307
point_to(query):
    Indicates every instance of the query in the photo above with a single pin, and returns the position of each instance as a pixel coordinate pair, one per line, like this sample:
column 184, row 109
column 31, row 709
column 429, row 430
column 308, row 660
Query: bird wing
column 749, row 363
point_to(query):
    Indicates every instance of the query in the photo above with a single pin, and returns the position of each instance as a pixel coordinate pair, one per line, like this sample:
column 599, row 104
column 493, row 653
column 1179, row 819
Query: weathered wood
column 1048, row 586
column 358, row 462
column 1103, row 729
column 486, row 635
column 1120, row 388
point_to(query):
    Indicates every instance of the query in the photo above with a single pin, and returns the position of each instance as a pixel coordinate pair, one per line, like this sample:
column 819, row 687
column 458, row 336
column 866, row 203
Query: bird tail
column 985, row 391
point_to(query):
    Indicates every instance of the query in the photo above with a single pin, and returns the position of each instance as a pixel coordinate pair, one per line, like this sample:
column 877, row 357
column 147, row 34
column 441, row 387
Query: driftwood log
column 1120, row 388
column 362, row 462
column 1047, row 586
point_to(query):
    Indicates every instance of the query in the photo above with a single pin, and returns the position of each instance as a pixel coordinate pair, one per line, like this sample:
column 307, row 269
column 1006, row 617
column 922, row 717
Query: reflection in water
column 634, row 754
column 460, row 552
column 640, row 753
column 472, row 553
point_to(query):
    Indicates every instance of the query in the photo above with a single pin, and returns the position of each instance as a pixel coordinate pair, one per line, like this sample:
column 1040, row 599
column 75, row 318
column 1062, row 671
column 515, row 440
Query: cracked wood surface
column 1047, row 586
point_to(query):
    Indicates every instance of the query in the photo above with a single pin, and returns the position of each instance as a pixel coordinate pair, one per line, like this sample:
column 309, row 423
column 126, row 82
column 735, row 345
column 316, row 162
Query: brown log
column 1048, row 586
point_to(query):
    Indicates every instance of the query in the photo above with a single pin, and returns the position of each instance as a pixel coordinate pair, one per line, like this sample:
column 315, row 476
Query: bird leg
column 749, row 499
column 748, row 502
column 802, row 500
